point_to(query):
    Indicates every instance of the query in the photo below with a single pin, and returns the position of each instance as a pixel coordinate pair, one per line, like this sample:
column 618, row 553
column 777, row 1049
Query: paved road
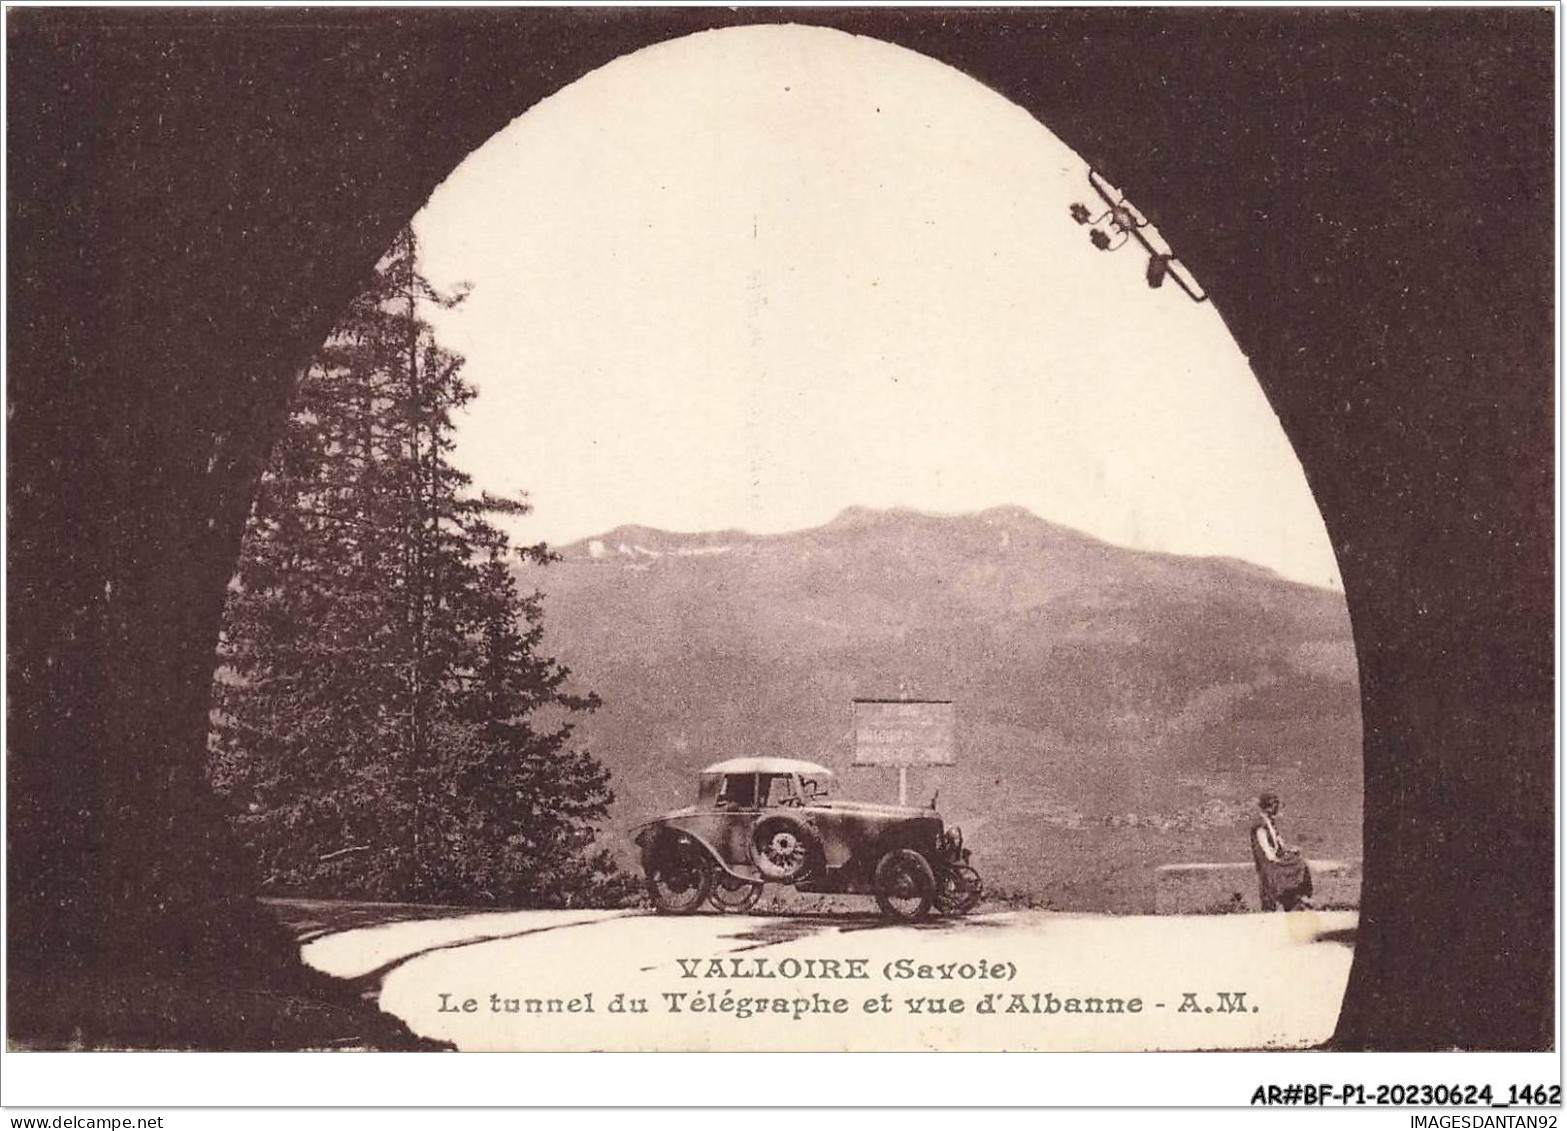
column 1026, row 980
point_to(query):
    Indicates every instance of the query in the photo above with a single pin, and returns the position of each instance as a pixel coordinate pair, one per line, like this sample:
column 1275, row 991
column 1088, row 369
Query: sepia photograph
column 784, row 530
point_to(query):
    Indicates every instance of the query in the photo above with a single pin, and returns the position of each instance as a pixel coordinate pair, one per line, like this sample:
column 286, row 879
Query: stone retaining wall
column 1215, row 889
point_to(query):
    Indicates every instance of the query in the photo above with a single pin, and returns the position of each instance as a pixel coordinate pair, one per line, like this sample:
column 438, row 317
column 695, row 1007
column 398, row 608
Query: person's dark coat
column 1283, row 881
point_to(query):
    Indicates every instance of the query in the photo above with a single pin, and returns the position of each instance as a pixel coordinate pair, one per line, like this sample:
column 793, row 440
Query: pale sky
column 756, row 275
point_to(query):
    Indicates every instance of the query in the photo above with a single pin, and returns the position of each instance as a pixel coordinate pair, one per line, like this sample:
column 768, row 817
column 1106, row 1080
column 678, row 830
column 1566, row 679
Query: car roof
column 767, row 766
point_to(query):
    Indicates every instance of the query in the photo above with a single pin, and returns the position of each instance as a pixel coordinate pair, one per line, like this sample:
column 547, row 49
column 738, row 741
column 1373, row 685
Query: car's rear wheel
column 782, row 848
column 680, row 878
column 905, row 885
column 734, row 895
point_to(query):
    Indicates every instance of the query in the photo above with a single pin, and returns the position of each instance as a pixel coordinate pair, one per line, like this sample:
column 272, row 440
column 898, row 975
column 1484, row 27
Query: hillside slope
column 1116, row 709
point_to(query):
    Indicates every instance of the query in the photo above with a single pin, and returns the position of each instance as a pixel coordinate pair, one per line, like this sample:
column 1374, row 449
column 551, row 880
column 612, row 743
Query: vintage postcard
column 781, row 530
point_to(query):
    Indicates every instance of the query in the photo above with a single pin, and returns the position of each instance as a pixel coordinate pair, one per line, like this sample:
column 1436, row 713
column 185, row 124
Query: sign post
column 903, row 733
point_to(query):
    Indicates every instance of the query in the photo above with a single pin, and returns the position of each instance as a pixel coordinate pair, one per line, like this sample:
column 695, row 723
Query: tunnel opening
column 816, row 325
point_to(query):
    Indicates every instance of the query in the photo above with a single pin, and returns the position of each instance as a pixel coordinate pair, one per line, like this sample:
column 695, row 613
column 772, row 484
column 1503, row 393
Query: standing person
column 1283, row 879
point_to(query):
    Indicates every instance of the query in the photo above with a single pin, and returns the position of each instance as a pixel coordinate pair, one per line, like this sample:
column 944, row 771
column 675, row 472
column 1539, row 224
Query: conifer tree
column 386, row 724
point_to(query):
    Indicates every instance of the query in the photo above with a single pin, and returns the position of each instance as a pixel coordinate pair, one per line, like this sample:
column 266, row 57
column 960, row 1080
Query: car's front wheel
column 905, row 885
column 679, row 878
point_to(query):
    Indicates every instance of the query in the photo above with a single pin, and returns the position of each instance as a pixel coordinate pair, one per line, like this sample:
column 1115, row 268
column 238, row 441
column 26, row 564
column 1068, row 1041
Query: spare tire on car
column 783, row 848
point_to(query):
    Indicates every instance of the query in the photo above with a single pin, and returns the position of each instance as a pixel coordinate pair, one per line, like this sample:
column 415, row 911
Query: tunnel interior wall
column 1367, row 196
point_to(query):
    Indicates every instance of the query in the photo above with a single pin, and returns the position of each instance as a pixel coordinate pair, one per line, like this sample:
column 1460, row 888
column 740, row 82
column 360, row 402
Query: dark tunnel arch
column 1365, row 195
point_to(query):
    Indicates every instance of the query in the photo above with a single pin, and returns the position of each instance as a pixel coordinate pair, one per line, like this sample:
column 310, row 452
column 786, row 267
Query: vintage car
column 774, row 820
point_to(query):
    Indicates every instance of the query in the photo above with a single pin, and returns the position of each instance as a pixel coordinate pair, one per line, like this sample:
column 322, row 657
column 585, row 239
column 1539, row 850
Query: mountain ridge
column 1010, row 518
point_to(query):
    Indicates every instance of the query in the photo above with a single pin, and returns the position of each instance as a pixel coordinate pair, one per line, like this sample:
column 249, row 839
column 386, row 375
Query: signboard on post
column 904, row 733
